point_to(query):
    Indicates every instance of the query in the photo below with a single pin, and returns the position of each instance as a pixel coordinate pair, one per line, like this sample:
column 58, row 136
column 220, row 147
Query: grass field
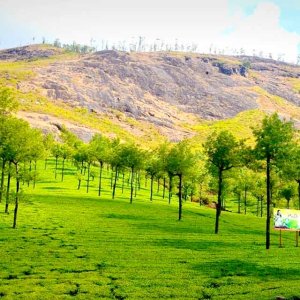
column 70, row 244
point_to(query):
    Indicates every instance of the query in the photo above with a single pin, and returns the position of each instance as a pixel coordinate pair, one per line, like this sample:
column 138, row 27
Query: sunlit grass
column 72, row 243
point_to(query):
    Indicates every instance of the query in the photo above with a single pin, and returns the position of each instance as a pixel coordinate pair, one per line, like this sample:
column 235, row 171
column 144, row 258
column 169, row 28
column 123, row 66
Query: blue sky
column 255, row 25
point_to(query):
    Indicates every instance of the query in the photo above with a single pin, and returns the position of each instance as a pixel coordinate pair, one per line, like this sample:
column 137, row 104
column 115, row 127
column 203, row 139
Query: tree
column 287, row 192
column 56, row 152
column 100, row 150
column 243, row 183
column 291, row 168
column 37, row 151
column 273, row 141
column 224, row 153
column 258, row 192
column 65, row 152
column 8, row 104
column 48, row 141
column 80, row 157
column 153, row 167
column 132, row 157
column 179, row 162
column 116, row 162
column 20, row 143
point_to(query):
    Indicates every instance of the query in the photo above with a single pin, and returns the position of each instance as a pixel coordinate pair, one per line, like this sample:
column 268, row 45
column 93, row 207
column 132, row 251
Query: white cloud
column 262, row 31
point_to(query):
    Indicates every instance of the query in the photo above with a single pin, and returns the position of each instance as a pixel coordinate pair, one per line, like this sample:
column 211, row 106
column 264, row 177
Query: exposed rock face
column 159, row 88
column 28, row 53
column 146, row 85
column 50, row 124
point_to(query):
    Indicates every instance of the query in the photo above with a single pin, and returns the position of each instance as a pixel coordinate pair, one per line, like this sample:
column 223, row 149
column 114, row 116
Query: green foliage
column 224, row 153
column 273, row 143
column 273, row 139
column 132, row 157
column 8, row 103
column 222, row 150
column 101, row 148
column 70, row 138
column 18, row 142
column 180, row 159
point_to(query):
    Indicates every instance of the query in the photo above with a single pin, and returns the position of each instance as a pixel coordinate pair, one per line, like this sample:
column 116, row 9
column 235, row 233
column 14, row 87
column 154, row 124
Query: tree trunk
column 268, row 174
column 151, row 188
column 24, row 167
column 115, row 183
column 34, row 177
column 2, row 179
column 8, row 188
column 100, row 178
column 185, row 195
column 88, row 179
column 261, row 206
column 170, row 187
column 131, row 184
column 30, row 169
column 164, row 189
column 146, row 179
column 79, row 184
column 63, row 169
column 136, row 184
column 200, row 194
column 245, row 201
column 158, row 184
column 139, row 179
column 180, row 198
column 192, row 195
column 239, row 203
column 79, row 180
column 56, row 162
column 111, row 178
column 219, row 204
column 298, row 194
column 17, row 196
column 123, row 182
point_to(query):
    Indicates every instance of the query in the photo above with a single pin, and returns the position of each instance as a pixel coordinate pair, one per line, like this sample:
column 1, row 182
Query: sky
column 256, row 26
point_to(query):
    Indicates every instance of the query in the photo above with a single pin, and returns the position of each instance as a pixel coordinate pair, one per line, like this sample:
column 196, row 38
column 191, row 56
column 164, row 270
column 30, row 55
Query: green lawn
column 71, row 244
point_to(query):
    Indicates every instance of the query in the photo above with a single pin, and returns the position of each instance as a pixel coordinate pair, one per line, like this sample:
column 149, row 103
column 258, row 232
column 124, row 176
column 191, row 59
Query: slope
column 146, row 96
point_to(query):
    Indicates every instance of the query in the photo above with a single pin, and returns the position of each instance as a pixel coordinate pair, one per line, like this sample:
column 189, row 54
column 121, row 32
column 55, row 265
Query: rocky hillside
column 169, row 92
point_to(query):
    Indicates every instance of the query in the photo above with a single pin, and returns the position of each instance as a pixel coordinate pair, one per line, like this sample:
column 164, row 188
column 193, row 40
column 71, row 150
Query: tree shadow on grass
column 244, row 268
column 198, row 245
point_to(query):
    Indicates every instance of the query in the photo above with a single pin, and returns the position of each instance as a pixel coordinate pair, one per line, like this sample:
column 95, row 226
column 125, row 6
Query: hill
column 147, row 96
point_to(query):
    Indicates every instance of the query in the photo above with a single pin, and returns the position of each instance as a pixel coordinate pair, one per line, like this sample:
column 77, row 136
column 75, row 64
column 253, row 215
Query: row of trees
column 18, row 144
column 179, row 168
column 276, row 152
column 139, row 44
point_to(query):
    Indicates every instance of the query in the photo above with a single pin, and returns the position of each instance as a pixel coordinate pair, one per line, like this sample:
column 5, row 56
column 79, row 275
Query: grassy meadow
column 71, row 244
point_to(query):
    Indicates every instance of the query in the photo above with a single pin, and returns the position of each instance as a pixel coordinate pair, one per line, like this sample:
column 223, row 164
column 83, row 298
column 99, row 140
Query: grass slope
column 70, row 244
